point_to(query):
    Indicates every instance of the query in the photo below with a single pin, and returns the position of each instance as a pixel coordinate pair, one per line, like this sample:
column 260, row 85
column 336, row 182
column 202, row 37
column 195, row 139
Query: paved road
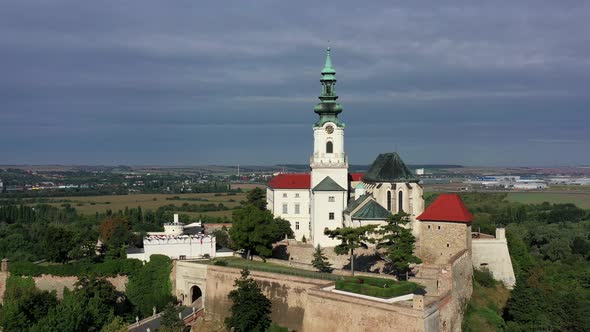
column 153, row 324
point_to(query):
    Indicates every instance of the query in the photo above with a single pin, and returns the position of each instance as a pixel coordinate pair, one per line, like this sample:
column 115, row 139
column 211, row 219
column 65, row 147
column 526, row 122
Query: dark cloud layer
column 201, row 82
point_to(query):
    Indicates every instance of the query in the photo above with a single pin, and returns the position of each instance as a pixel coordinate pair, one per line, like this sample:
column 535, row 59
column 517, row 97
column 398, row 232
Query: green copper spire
column 328, row 109
column 328, row 70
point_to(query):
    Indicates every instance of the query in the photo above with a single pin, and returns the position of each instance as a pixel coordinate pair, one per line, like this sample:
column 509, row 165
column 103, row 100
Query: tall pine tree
column 320, row 261
column 398, row 242
column 250, row 310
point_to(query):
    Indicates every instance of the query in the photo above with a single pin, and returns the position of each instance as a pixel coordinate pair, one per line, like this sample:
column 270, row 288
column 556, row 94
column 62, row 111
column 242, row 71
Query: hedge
column 108, row 268
column 377, row 287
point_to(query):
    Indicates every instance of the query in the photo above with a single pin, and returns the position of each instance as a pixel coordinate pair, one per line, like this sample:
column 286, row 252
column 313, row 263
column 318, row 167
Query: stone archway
column 196, row 294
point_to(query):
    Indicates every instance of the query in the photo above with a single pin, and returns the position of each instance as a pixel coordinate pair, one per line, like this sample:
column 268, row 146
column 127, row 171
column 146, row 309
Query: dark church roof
column 354, row 203
column 389, row 167
column 372, row 210
column 327, row 184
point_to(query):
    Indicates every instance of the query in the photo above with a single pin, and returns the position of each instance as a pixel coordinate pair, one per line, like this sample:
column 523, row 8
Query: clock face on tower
column 329, row 129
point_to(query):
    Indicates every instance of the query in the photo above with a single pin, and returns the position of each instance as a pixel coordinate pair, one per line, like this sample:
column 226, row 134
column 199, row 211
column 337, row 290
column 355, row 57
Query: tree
column 151, row 285
column 320, row 261
column 24, row 304
column 283, row 229
column 222, row 238
column 351, row 238
column 398, row 243
column 57, row 243
column 170, row 320
column 257, row 197
column 254, row 230
column 250, row 310
column 116, row 325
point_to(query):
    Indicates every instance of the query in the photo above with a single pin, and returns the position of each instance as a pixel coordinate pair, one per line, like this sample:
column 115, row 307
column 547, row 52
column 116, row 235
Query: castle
column 330, row 196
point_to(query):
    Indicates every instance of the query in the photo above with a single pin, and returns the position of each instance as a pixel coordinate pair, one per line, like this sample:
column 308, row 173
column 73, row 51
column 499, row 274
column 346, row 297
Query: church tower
column 329, row 164
column 328, row 158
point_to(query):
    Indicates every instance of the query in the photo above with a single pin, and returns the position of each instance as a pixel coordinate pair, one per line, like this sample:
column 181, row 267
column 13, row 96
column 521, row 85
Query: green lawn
column 270, row 267
column 581, row 200
column 377, row 287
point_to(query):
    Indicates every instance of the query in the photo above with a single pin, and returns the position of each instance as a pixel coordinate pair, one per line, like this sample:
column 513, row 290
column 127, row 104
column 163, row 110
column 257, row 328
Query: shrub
column 484, row 277
column 376, row 287
column 277, row 328
column 108, row 268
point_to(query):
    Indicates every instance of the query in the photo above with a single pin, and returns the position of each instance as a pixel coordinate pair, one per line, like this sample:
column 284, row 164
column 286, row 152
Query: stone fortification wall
column 455, row 287
column 301, row 304
column 298, row 252
column 334, row 312
column 57, row 283
column 3, row 277
column 289, row 294
column 492, row 253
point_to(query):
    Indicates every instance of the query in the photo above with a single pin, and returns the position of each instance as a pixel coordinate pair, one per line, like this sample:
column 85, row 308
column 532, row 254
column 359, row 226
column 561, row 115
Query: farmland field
column 89, row 205
column 580, row 199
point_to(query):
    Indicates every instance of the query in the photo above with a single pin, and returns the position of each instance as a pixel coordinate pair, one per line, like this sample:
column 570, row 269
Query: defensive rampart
column 492, row 253
column 302, row 304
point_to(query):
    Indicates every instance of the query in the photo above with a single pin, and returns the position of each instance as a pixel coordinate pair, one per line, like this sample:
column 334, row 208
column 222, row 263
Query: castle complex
column 330, row 196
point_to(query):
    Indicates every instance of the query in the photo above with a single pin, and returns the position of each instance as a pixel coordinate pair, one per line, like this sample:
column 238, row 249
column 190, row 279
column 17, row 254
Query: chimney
column 176, row 218
column 500, row 233
column 418, row 299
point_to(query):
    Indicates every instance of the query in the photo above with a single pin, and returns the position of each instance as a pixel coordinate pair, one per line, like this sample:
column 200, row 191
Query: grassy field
column 582, row 200
column 91, row 204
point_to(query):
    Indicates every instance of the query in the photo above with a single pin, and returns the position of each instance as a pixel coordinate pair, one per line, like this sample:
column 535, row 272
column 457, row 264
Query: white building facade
column 325, row 198
column 175, row 243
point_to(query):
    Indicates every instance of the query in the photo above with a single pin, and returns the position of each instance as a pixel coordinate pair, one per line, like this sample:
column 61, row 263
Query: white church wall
column 270, row 200
column 322, row 207
column 301, row 217
column 338, row 174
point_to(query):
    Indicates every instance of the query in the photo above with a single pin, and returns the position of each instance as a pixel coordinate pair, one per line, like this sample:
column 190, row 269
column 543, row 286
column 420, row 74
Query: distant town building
column 511, row 182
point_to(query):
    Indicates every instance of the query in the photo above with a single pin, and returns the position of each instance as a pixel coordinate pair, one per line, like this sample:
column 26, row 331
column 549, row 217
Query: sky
column 143, row 82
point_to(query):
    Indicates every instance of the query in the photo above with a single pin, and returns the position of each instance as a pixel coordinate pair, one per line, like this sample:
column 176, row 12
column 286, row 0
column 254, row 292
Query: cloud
column 428, row 74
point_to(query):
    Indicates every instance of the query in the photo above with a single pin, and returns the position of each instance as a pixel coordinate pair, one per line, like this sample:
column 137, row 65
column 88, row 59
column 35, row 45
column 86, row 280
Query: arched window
column 388, row 200
column 329, row 147
column 400, row 201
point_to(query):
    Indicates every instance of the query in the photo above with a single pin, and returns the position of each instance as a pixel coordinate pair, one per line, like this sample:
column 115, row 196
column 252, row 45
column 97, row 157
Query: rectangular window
column 331, row 199
column 285, row 209
column 296, row 208
column 331, row 216
column 284, row 195
column 296, row 195
column 297, row 225
column 310, row 226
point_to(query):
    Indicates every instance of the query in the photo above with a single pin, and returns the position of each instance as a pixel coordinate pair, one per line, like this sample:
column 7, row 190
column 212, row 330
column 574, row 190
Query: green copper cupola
column 328, row 109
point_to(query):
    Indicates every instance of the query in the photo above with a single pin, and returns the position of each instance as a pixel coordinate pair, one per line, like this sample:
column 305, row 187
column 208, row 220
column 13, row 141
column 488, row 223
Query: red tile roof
column 447, row 207
column 291, row 181
column 355, row 176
